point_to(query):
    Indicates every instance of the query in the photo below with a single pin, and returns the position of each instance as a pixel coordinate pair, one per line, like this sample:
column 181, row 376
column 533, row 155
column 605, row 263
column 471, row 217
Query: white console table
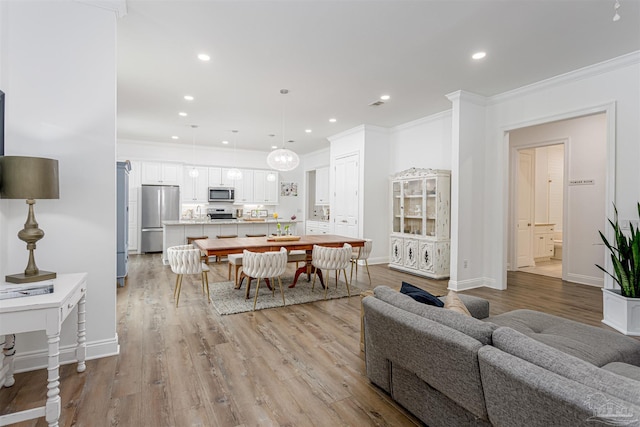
column 44, row 312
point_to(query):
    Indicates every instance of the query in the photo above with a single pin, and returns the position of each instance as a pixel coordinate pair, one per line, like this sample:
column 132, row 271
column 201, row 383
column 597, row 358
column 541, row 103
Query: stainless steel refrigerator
column 159, row 203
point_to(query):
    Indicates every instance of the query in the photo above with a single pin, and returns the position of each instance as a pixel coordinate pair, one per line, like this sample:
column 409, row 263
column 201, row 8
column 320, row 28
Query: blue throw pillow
column 420, row 295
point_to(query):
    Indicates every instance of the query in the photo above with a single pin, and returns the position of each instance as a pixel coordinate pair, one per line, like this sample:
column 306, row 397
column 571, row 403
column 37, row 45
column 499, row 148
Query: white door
column 345, row 211
column 525, row 207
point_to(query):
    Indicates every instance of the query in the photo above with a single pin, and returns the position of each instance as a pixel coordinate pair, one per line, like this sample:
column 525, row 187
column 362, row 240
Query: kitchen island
column 176, row 232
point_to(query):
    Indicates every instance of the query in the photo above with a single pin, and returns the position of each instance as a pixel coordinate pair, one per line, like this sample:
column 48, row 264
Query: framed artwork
column 289, row 189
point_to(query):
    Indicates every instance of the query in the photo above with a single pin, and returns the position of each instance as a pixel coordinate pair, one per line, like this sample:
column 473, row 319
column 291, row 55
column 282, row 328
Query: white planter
column 621, row 313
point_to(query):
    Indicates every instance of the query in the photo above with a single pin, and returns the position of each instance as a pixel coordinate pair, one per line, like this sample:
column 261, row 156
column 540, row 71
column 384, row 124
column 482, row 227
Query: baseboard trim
column 585, row 280
column 34, row 360
column 480, row 282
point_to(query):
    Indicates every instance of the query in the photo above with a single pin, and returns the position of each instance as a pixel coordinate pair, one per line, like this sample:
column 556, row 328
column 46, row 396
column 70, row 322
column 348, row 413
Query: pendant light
column 193, row 173
column 283, row 159
column 234, row 174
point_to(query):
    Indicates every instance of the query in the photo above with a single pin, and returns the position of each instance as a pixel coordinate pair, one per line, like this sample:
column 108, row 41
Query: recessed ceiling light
column 308, row 130
column 174, row 137
column 332, row 120
column 204, row 57
column 188, row 97
column 182, row 114
column 273, row 147
column 385, row 97
column 479, row 55
column 225, row 142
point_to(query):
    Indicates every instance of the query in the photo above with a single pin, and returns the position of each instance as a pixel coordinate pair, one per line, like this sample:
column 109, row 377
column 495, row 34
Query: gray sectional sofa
column 522, row 368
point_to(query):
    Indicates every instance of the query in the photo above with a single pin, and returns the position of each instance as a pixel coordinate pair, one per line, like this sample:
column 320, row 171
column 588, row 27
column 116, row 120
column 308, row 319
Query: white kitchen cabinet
column 244, row 188
column 543, row 242
column 322, row 186
column 265, row 191
column 218, row 177
column 420, row 229
column 194, row 190
column 160, row 173
column 317, row 227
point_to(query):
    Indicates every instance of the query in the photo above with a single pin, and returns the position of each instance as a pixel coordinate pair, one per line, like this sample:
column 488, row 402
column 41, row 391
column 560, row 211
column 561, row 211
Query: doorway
column 540, row 204
column 562, row 236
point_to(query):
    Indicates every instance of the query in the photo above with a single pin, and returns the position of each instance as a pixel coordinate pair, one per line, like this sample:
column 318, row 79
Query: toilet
column 557, row 245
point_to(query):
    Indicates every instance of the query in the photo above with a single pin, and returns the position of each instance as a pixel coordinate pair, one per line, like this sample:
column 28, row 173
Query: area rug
column 228, row 300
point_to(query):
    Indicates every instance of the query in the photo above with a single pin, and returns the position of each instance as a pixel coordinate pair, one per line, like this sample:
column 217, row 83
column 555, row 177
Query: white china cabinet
column 420, row 229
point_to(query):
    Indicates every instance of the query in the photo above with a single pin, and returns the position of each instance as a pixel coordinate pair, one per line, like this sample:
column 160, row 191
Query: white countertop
column 226, row 221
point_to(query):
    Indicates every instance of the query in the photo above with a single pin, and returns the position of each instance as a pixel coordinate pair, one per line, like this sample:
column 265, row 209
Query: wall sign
column 581, row 182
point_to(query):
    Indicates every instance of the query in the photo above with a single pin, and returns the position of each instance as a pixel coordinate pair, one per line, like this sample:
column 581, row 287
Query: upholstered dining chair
column 265, row 265
column 362, row 253
column 325, row 258
column 185, row 259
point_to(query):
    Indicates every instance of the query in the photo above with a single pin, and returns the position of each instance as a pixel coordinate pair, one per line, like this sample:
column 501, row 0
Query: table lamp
column 29, row 178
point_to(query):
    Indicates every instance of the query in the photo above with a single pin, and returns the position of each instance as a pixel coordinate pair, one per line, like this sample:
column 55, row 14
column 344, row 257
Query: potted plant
column 621, row 307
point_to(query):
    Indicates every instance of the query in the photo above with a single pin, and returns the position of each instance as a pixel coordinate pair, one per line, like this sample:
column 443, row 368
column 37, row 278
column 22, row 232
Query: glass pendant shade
column 234, row 174
column 283, row 159
column 271, row 177
column 193, row 173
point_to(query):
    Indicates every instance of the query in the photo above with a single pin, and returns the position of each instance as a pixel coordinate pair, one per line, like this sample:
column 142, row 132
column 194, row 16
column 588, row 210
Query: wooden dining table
column 223, row 247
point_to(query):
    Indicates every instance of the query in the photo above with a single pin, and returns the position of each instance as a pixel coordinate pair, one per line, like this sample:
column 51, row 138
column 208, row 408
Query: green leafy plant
column 625, row 257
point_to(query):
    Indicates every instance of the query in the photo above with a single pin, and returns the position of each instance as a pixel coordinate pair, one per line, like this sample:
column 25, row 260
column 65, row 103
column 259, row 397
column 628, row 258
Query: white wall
column 613, row 86
column 58, row 71
column 422, row 143
column 586, row 159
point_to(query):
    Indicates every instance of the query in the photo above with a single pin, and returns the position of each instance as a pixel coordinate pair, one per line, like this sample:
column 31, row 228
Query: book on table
column 8, row 291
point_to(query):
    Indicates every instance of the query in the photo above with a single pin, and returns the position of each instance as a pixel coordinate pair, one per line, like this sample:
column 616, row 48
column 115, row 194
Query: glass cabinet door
column 413, row 202
column 397, row 207
column 430, row 187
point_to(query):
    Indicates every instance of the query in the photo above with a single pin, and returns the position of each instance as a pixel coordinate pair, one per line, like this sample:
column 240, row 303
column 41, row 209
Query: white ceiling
column 336, row 57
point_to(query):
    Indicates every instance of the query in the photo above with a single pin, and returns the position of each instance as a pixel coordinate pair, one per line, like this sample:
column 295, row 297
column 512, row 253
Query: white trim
column 117, row 6
column 38, row 359
column 570, row 77
column 423, row 120
column 463, row 285
column 584, row 280
column 463, row 95
column 610, row 111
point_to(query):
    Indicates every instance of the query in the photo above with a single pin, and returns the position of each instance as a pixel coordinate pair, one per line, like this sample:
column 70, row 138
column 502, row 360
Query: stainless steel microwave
column 221, row 194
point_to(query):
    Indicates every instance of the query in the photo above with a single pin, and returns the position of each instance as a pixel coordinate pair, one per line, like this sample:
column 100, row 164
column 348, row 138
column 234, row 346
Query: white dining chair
column 326, row 258
column 185, row 259
column 264, row 265
column 361, row 253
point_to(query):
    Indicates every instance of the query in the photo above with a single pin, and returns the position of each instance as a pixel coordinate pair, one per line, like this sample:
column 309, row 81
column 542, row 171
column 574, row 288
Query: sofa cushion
column 513, row 342
column 594, row 345
column 478, row 329
column 624, row 369
column 420, row 295
column 453, row 302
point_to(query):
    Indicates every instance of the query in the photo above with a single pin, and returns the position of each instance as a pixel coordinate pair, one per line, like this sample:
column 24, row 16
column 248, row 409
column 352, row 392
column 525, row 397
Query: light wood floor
column 292, row 366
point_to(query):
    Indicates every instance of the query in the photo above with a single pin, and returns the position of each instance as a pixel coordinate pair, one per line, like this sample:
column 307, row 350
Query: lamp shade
column 28, row 178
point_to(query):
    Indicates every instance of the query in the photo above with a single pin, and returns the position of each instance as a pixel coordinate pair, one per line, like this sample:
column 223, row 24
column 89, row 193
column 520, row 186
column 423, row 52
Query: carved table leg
column 9, row 351
column 81, row 350
column 53, row 406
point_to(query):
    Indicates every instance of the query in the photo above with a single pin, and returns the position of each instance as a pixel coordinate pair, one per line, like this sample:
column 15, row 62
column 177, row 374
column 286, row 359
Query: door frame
column 513, row 198
column 609, row 109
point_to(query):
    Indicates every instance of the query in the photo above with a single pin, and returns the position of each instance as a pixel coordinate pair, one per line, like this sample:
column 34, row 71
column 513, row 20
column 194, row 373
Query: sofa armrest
column 520, row 393
column 442, row 357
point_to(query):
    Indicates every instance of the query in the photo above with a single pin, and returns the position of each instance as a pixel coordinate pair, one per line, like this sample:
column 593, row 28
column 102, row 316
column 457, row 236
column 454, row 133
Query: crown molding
column 423, row 120
column 463, row 95
column 117, row 6
column 572, row 76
